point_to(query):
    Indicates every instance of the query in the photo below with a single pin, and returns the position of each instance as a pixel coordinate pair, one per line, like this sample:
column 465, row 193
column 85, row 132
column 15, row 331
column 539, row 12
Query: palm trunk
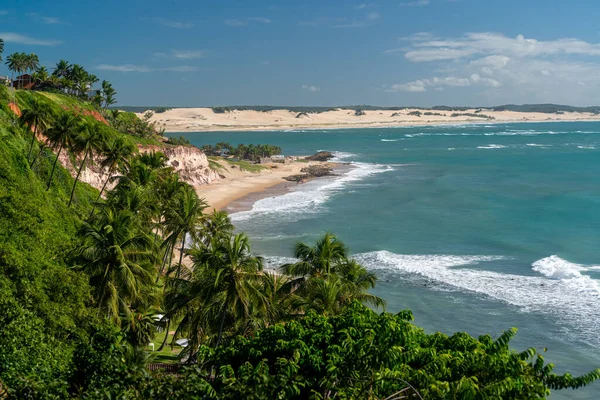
column 162, row 267
column 100, row 194
column 53, row 167
column 32, row 142
column 36, row 156
column 221, row 326
column 181, row 254
column 77, row 177
column 166, row 335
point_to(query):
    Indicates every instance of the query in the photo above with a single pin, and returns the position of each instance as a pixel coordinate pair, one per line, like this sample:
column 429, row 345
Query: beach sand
column 237, row 184
column 204, row 119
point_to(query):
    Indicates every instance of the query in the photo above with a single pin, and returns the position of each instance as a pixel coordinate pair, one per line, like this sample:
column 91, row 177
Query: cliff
column 190, row 162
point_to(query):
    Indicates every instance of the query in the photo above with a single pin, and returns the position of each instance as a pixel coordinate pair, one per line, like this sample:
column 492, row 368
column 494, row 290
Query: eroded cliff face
column 190, row 162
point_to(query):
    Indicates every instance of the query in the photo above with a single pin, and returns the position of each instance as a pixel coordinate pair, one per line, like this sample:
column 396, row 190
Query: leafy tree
column 117, row 153
column 92, row 137
column 37, row 117
column 1, row 48
column 118, row 258
column 218, row 294
column 61, row 135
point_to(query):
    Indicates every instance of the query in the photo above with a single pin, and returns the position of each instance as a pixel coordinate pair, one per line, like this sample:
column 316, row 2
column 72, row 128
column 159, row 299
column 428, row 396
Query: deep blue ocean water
column 474, row 228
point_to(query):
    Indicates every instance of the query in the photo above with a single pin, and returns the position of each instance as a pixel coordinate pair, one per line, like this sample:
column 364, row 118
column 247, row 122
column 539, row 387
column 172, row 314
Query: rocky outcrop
column 321, row 156
column 310, row 172
column 190, row 162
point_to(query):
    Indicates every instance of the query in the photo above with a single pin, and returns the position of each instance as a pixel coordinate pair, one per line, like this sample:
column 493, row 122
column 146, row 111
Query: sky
column 320, row 53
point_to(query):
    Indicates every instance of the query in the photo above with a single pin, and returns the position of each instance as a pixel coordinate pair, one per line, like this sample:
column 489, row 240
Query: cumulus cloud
column 173, row 24
column 11, row 37
column 311, row 88
column 416, row 3
column 143, row 68
column 505, row 68
column 45, row 19
column 181, row 54
column 247, row 21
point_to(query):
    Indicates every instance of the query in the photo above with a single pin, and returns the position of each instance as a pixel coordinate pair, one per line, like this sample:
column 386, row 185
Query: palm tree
column 16, row 63
column 32, row 62
column 41, row 76
column 328, row 279
column 62, row 134
column 117, row 256
column 118, row 153
column 92, row 137
column 62, row 69
column 1, row 48
column 223, row 287
column 320, row 260
column 183, row 217
column 108, row 94
column 38, row 118
column 215, row 225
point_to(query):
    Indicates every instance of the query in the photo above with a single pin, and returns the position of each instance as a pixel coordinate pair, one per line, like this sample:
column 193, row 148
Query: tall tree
column 1, row 48
column 62, row 69
column 319, row 260
column 92, row 137
column 117, row 255
column 37, row 117
column 117, row 153
column 61, row 135
column 221, row 290
column 183, row 217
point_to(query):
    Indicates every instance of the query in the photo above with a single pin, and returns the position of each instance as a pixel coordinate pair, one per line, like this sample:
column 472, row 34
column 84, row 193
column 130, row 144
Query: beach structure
column 23, row 82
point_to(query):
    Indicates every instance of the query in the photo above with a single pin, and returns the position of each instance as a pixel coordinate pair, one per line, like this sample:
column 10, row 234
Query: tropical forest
column 141, row 290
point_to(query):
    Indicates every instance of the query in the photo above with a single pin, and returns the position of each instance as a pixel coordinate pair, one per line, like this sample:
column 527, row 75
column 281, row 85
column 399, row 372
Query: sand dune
column 204, row 119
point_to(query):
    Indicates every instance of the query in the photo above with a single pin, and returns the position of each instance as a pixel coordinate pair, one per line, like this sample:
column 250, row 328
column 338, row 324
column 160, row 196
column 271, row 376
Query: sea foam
column 561, row 290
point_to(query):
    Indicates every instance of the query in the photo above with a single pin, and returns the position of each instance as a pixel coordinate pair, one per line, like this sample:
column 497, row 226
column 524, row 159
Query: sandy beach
column 236, row 183
column 205, row 119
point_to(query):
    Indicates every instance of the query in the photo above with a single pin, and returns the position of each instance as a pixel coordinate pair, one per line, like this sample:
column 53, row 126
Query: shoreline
column 237, row 185
column 182, row 120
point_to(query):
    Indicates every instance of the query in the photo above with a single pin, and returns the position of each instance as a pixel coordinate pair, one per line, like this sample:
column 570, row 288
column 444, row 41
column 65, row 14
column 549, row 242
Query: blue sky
column 404, row 52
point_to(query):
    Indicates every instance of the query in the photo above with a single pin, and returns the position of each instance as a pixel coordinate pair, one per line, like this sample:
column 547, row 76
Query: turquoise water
column 474, row 228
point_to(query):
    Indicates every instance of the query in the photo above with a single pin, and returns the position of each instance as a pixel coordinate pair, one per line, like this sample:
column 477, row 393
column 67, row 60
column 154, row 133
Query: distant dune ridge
column 275, row 118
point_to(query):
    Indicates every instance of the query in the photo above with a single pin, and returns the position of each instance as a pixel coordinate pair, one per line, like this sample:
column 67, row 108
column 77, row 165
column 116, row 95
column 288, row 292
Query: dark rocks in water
column 317, row 170
column 310, row 172
column 320, row 156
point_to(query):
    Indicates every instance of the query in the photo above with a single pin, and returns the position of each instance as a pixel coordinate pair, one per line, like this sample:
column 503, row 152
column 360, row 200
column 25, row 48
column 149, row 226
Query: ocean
column 475, row 228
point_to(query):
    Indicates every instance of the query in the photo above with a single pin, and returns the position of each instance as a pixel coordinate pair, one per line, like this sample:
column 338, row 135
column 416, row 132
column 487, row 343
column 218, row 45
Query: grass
column 247, row 166
column 166, row 355
column 214, row 164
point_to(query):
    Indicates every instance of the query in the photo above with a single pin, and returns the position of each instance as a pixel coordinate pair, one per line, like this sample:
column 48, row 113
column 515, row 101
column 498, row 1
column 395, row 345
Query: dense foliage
column 249, row 152
column 88, row 278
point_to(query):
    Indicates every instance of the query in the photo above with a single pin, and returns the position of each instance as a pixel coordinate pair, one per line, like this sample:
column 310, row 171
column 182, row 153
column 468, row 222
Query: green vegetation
column 89, row 279
column 250, row 152
column 415, row 113
column 473, row 115
column 178, row 141
column 246, row 166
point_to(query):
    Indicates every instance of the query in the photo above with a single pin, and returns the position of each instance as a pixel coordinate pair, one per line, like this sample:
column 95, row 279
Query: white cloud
column 173, row 24
column 11, row 37
column 372, row 16
column 246, row 21
column 505, row 69
column 181, row 54
column 3, row 12
column 416, row 3
column 311, row 88
column 45, row 19
column 363, row 6
column 143, row 68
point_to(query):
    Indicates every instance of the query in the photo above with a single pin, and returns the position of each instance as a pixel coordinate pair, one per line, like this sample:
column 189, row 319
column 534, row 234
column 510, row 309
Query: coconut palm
column 222, row 289
column 92, row 137
column 32, row 62
column 41, row 76
column 215, row 225
column 61, row 135
column 183, row 216
column 62, row 69
column 1, row 48
column 16, row 63
column 117, row 153
column 37, row 117
column 118, row 258
column 320, row 260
